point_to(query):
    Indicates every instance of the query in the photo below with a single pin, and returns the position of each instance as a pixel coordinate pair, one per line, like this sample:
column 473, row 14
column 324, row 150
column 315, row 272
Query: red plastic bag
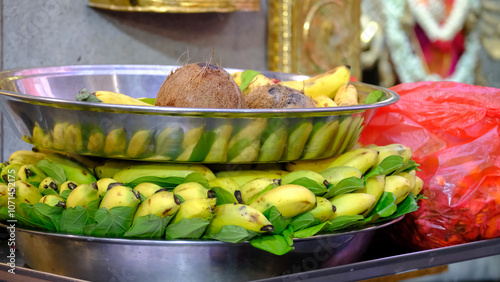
column 453, row 130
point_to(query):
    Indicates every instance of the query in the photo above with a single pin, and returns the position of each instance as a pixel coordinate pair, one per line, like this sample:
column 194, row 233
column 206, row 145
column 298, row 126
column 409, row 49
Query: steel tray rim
column 15, row 74
column 197, row 241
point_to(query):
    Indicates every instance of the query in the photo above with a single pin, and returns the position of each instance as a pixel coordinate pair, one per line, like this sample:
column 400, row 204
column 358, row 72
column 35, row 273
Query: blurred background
column 386, row 42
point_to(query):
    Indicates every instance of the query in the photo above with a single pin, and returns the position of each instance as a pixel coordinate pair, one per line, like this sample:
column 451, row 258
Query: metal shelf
column 381, row 259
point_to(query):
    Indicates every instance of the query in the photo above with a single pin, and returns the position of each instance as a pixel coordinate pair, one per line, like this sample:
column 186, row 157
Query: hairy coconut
column 200, row 85
column 277, row 96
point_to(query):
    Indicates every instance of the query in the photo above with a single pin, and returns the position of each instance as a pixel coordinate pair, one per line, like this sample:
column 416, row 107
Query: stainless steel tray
column 40, row 104
column 111, row 259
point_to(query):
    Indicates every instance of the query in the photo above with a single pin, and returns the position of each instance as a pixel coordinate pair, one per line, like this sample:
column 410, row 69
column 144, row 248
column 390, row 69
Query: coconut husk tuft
column 200, row 85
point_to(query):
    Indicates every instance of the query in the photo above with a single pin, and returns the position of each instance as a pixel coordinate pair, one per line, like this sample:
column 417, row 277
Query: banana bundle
column 267, row 207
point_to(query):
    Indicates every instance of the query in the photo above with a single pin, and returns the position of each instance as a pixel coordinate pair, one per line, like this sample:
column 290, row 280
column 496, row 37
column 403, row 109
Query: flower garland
column 450, row 27
column 408, row 65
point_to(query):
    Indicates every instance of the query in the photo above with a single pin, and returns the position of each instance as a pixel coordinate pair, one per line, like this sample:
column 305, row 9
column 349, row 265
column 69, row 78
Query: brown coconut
column 277, row 96
column 200, row 85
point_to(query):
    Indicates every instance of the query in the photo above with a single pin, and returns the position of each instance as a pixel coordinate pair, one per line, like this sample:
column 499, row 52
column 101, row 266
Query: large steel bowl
column 40, row 104
column 111, row 259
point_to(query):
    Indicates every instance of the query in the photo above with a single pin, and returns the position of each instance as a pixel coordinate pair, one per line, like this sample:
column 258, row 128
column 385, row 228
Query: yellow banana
column 273, row 146
column 139, row 172
column 74, row 170
column 363, row 159
column 258, row 80
column 147, row 189
column 340, row 137
column 314, row 165
column 229, row 185
column 10, row 173
column 68, row 185
column 25, row 193
column 31, row 174
column 326, row 83
column 375, row 186
column 82, row 195
column 53, row 200
column 88, row 162
column 243, row 176
column 323, row 101
column 116, row 142
column 398, row 185
column 24, row 157
column 336, row 174
column 49, row 183
column 191, row 138
column 139, row 143
column 255, row 186
column 290, row 200
column 195, row 208
column 120, row 196
column 193, row 190
column 347, row 95
column 237, row 77
column 40, row 137
column 352, row 204
column 297, row 140
column 419, row 185
column 109, row 167
column 411, row 176
column 320, row 139
column 4, row 195
column 96, row 140
column 104, row 184
column 239, row 215
column 312, row 175
column 58, row 139
column 73, row 141
column 244, row 145
column 109, row 97
column 324, row 209
column 162, row 204
column 169, row 141
column 384, row 152
column 401, row 150
column 218, row 150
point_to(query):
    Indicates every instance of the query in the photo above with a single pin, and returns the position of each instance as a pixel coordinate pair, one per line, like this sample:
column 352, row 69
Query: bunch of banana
column 327, row 83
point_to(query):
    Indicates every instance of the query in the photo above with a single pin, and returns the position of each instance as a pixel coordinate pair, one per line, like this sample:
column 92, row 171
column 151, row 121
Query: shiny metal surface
column 110, row 259
column 38, row 100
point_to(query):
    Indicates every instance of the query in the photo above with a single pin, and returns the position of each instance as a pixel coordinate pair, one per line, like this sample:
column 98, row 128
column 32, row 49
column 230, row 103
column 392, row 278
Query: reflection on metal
column 313, row 36
column 177, row 6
